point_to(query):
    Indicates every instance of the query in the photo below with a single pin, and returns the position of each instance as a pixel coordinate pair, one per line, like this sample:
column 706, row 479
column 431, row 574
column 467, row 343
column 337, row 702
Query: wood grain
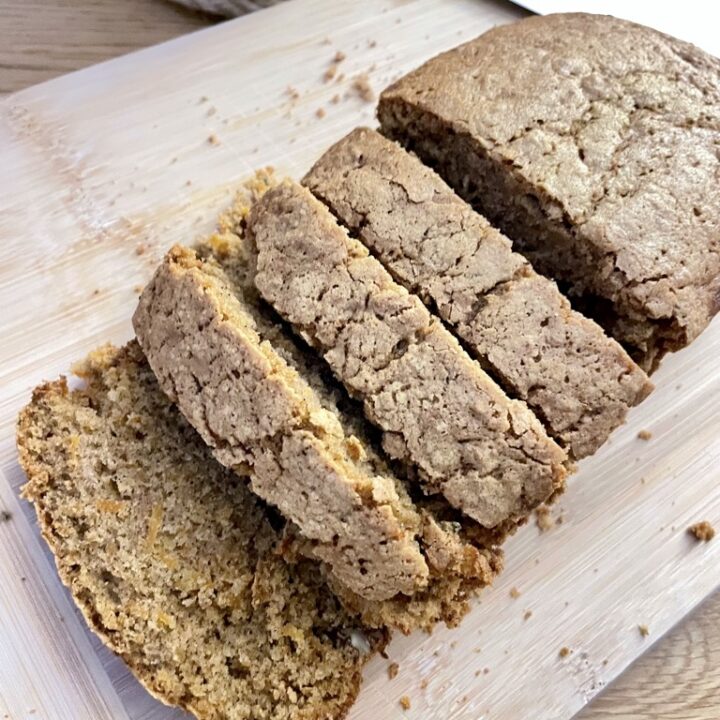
column 677, row 679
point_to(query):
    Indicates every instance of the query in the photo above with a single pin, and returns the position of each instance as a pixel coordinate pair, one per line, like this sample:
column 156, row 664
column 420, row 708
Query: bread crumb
column 527, row 615
column 703, row 531
column 424, row 683
column 644, row 435
column 330, row 73
column 137, row 289
column 335, row 99
column 393, row 670
column 486, row 671
column 405, row 702
column 96, row 291
column 564, row 652
column 361, row 85
column 204, row 98
column 605, row 662
column 477, row 673
column 5, row 516
column 211, row 111
column 292, row 92
column 320, row 113
column 372, row 43
column 644, row 630
column 213, row 139
column 140, row 249
column 543, row 518
column 514, row 593
column 339, row 56
column 188, row 182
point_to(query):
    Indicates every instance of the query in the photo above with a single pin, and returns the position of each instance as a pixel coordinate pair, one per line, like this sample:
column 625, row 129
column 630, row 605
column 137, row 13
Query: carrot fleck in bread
column 173, row 561
column 594, row 143
column 439, row 412
column 263, row 420
column 515, row 322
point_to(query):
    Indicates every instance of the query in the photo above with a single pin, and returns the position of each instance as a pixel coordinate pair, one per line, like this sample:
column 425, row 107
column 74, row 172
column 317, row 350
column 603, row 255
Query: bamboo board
column 104, row 169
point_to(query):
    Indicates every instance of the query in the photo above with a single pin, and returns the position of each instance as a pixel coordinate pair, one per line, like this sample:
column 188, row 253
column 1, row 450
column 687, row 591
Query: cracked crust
column 597, row 150
column 515, row 322
column 172, row 559
column 263, row 420
column 439, row 412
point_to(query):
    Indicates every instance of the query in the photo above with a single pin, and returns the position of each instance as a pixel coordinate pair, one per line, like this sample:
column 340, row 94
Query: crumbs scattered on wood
column 330, row 73
column 5, row 516
column 702, row 531
column 140, row 249
column 405, row 702
column 96, row 292
column 335, row 99
column 320, row 113
column 372, row 43
column 543, row 518
column 514, row 593
column 213, row 139
column 339, row 56
column 644, row 435
column 527, row 615
column 393, row 670
column 643, row 630
column 137, row 289
column 361, row 85
column 486, row 671
column 292, row 92
column 564, row 651
column 425, row 682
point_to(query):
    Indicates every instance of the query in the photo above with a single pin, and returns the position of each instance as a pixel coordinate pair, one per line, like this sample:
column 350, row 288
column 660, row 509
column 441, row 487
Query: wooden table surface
column 679, row 677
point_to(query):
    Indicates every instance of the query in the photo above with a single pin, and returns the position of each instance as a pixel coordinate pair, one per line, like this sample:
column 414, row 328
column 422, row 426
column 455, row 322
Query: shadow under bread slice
column 439, row 411
column 523, row 331
column 592, row 142
column 173, row 561
column 262, row 419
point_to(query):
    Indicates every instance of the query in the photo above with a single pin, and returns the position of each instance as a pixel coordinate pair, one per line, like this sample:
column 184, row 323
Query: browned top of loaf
column 617, row 129
column 488, row 455
column 579, row 381
column 261, row 418
column 172, row 559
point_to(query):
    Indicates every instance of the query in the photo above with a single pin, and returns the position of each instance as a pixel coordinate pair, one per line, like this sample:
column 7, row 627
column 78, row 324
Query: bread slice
column 173, row 561
column 263, row 420
column 439, row 412
column 592, row 142
column 578, row 381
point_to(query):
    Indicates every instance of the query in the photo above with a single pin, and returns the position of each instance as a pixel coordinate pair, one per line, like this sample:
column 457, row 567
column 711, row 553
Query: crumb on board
column 644, row 435
column 393, row 670
column 140, row 249
column 137, row 289
column 292, row 92
column 564, row 651
column 514, row 593
column 527, row 615
column 204, row 99
column 213, row 139
column 425, row 682
column 320, row 113
column 211, row 111
column 644, row 630
column 335, row 99
column 702, row 531
column 339, row 56
column 330, row 73
column 405, row 702
column 361, row 85
column 486, row 671
column 96, row 292
column 188, row 182
column 5, row 516
column 543, row 518
column 372, row 43
column 478, row 673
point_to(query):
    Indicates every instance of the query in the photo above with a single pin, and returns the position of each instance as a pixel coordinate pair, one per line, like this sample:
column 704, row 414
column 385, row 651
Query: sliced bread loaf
column 173, row 561
column 439, row 412
column 523, row 331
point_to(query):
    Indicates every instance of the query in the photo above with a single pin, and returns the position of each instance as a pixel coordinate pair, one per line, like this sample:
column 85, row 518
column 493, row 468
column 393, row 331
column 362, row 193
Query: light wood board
column 96, row 165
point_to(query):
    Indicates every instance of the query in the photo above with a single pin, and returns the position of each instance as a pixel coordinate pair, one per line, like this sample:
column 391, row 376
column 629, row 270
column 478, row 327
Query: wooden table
column 679, row 678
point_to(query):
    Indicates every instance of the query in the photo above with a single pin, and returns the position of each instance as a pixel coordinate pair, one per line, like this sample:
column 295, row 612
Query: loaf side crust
column 596, row 148
column 515, row 322
column 439, row 412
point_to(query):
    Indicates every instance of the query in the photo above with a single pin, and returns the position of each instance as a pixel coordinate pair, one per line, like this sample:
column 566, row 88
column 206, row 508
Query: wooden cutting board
column 103, row 170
